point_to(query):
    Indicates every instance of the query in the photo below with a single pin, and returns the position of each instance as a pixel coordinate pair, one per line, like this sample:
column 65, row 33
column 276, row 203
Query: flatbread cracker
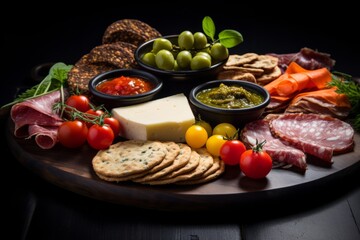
column 238, row 60
column 129, row 157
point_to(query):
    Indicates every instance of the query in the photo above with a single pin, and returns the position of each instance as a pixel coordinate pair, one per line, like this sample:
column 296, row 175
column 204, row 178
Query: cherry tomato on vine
column 72, row 134
column 80, row 102
column 256, row 163
column 114, row 124
column 196, row 136
column 95, row 112
column 231, row 151
column 100, row 137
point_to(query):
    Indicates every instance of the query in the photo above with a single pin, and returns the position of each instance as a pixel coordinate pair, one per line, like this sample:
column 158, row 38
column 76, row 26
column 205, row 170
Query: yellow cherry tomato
column 196, row 136
column 214, row 144
column 225, row 129
column 205, row 125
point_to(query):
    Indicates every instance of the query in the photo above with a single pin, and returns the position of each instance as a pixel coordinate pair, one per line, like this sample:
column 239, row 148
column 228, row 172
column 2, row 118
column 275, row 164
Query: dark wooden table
column 36, row 209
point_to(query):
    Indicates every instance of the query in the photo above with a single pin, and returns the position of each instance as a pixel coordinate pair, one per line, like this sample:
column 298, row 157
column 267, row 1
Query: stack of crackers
column 252, row 67
column 119, row 43
column 156, row 163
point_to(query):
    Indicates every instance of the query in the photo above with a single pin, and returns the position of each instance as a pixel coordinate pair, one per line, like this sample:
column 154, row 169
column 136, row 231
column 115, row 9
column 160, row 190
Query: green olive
column 186, row 40
column 219, row 52
column 165, row 60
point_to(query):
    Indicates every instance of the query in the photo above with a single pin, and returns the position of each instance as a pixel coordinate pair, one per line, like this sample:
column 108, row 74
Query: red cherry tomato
column 100, row 137
column 95, row 112
column 80, row 102
column 231, row 151
column 72, row 134
column 114, row 124
column 256, row 163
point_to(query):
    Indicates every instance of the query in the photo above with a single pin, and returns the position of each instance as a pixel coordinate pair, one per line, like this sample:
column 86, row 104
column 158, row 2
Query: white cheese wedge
column 165, row 119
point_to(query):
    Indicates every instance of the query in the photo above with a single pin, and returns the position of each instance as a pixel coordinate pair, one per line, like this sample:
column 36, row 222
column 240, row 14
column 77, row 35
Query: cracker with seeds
column 180, row 161
column 129, row 30
column 181, row 173
column 83, row 71
column 207, row 177
column 129, row 157
column 119, row 54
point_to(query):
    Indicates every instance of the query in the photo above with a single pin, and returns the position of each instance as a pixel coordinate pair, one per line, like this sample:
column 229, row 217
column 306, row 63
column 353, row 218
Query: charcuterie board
column 72, row 170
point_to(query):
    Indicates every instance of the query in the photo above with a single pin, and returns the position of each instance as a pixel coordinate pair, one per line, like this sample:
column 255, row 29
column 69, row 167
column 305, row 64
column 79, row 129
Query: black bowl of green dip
column 229, row 101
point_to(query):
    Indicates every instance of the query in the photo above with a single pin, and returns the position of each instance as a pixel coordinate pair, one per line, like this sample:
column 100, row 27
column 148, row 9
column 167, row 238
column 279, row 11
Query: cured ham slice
column 278, row 150
column 318, row 135
column 307, row 58
column 325, row 101
column 35, row 117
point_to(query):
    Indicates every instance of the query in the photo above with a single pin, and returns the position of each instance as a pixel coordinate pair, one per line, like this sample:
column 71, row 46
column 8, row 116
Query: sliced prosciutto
column 321, row 136
column 277, row 149
column 35, row 117
column 307, row 58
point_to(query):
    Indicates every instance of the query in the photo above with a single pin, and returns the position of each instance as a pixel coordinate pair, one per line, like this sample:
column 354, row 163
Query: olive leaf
column 209, row 27
column 230, row 38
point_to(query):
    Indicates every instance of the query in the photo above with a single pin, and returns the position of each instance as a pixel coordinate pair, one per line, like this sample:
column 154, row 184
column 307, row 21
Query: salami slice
column 318, row 135
column 277, row 149
column 45, row 137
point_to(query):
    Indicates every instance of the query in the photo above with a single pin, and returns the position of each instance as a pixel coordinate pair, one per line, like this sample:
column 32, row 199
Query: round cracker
column 83, row 71
column 129, row 30
column 180, row 161
column 173, row 150
column 208, row 177
column 119, row 54
column 129, row 157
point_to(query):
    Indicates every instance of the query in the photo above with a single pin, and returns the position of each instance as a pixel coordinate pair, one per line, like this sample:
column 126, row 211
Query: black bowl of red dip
column 122, row 87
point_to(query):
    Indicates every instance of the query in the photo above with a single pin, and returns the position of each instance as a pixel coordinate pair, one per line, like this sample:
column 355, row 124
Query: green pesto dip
column 231, row 97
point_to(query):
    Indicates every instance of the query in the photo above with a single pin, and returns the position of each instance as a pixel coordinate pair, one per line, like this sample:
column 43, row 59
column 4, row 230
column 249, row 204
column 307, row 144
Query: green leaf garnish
column 230, row 38
column 209, row 27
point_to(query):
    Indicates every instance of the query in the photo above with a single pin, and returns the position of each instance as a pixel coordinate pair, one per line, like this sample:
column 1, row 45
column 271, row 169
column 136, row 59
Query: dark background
column 35, row 37
column 38, row 210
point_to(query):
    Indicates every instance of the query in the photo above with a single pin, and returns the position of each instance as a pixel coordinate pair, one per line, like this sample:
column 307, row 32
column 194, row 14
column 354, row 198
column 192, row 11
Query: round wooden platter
column 72, row 170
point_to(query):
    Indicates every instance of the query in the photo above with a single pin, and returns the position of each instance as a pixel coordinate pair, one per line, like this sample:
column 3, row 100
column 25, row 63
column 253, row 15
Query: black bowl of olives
column 232, row 101
column 182, row 57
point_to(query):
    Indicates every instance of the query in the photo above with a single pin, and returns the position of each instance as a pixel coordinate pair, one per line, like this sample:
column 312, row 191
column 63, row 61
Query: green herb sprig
column 55, row 80
column 344, row 84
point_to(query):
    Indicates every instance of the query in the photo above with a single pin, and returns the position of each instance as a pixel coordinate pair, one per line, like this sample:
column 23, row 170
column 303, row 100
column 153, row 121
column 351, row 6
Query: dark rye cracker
column 129, row 30
column 83, row 71
column 119, row 54
column 100, row 59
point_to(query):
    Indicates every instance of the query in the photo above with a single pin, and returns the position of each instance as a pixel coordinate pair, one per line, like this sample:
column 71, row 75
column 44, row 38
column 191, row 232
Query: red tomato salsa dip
column 124, row 85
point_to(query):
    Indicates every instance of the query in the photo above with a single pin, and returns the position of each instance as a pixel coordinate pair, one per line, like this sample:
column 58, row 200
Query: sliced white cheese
column 165, row 119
